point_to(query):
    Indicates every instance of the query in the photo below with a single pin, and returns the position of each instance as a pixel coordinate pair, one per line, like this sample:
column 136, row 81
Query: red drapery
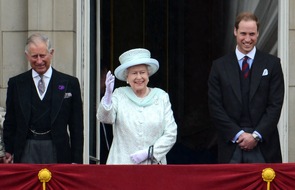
column 172, row 177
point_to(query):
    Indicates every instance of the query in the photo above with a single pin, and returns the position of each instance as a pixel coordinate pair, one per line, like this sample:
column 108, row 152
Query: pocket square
column 265, row 72
column 68, row 95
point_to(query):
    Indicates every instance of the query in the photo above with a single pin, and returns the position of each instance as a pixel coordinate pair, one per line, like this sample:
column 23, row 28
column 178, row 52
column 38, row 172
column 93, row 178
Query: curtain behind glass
column 267, row 13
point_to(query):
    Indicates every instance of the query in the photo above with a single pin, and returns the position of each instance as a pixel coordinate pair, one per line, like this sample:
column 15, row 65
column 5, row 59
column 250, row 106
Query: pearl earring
column 127, row 82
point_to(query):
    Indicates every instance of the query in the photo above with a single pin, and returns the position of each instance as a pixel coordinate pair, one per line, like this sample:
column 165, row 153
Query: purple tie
column 245, row 67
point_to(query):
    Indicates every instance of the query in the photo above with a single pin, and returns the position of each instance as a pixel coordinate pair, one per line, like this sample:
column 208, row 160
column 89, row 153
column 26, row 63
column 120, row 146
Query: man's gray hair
column 34, row 38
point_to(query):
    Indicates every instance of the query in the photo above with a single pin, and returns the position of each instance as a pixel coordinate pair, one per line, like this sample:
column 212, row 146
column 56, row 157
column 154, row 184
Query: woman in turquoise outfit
column 144, row 129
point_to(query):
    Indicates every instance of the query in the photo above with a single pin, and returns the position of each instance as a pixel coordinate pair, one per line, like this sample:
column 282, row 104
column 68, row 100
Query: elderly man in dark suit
column 44, row 119
column 246, row 92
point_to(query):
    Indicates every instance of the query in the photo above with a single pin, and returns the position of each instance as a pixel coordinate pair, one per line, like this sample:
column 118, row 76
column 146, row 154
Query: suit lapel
column 256, row 73
column 232, row 70
column 24, row 90
column 59, row 87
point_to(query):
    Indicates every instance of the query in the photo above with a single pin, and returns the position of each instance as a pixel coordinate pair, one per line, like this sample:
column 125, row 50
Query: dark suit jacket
column 66, row 113
column 265, row 102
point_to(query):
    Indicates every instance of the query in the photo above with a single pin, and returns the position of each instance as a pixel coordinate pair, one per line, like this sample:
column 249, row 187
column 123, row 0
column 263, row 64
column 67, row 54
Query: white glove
column 139, row 156
column 110, row 83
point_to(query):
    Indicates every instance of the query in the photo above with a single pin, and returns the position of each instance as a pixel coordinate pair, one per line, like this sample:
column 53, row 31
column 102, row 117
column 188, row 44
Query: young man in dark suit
column 44, row 117
column 246, row 92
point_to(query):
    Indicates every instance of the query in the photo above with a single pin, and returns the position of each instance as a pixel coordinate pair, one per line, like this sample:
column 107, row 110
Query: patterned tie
column 245, row 67
column 41, row 85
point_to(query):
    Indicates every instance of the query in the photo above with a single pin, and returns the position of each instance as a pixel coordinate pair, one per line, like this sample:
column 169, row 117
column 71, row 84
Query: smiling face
column 39, row 56
column 246, row 35
column 138, row 78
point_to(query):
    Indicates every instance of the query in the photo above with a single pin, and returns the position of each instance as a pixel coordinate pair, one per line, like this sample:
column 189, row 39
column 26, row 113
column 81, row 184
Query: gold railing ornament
column 268, row 174
column 44, row 176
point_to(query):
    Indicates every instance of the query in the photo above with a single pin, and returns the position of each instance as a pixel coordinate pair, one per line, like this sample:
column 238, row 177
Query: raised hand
column 110, row 83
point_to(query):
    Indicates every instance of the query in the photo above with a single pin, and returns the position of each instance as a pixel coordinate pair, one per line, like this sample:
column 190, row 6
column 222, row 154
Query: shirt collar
column 251, row 54
column 47, row 74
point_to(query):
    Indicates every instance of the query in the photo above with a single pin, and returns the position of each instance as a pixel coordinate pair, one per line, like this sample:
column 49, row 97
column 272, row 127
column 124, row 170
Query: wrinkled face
column 138, row 77
column 246, row 36
column 39, row 57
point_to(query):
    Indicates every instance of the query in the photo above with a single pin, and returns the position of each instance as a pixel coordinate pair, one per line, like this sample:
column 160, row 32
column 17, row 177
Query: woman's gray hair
column 125, row 73
column 34, row 38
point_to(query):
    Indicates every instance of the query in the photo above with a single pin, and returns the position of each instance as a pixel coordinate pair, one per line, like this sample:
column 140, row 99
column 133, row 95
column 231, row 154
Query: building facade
column 68, row 24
